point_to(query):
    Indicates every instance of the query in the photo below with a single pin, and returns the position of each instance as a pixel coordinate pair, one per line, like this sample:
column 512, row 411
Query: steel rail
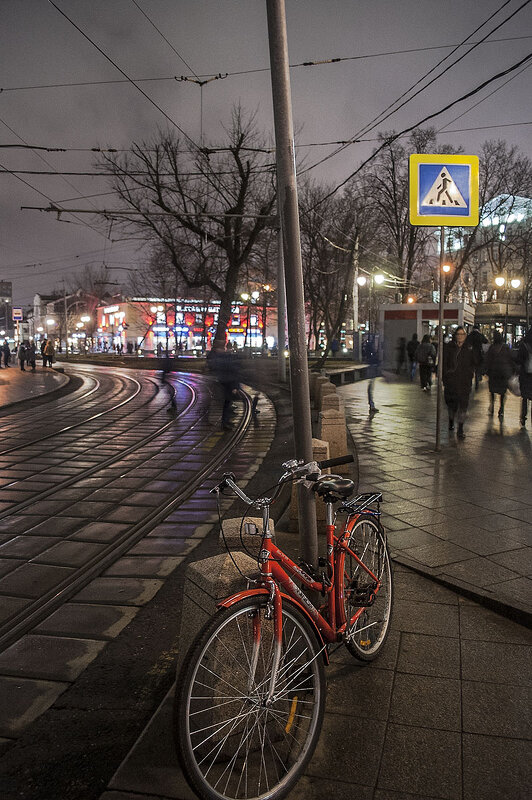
column 23, row 621
column 86, row 473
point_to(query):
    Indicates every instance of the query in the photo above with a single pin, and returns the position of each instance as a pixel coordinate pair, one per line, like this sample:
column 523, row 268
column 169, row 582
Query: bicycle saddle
column 338, row 488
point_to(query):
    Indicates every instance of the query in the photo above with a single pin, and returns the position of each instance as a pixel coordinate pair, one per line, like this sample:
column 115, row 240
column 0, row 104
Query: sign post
column 443, row 193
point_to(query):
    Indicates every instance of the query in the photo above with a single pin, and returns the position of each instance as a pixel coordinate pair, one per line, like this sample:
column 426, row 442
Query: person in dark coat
column 411, row 348
column 426, row 358
column 459, row 363
column 7, row 353
column 476, row 339
column 225, row 366
column 401, row 354
column 524, row 361
column 499, row 368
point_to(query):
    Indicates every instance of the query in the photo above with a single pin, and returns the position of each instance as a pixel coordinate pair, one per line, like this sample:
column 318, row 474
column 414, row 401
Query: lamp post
column 510, row 283
column 375, row 279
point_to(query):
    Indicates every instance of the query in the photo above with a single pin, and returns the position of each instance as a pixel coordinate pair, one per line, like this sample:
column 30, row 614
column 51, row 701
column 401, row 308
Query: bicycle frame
column 277, row 570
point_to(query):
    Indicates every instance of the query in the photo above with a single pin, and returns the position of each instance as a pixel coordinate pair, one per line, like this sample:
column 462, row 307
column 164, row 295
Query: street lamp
column 510, row 283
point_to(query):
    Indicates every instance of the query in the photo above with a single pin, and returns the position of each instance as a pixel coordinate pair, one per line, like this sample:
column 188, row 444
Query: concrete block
column 332, row 429
column 333, row 402
column 320, row 451
column 319, row 381
column 206, row 583
column 232, row 534
column 324, row 389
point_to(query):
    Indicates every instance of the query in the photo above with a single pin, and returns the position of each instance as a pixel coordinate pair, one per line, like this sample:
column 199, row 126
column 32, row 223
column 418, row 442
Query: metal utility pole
column 66, row 318
column 440, row 339
column 288, row 212
column 281, row 309
column 356, row 338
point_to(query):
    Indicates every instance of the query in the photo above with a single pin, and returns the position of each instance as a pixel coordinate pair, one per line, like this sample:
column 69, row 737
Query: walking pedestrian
column 401, row 354
column 30, row 355
column 372, row 359
column 411, row 348
column 524, row 360
column 459, row 363
column 499, row 368
column 224, row 364
column 49, row 352
column 43, row 348
column 21, row 355
column 166, row 370
column 7, row 353
column 477, row 339
column 426, row 358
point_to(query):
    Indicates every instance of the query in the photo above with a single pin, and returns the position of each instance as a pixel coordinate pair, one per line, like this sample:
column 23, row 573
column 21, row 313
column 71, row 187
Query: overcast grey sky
column 331, row 102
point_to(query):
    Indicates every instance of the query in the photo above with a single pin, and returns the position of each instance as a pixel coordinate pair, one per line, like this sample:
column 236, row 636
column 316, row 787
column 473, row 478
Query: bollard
column 324, row 389
column 320, row 451
column 332, row 429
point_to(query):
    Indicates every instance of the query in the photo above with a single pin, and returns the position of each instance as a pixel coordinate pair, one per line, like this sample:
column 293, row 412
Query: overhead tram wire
column 170, row 45
column 71, row 185
column 393, row 138
column 271, row 150
column 122, row 72
column 317, row 63
column 383, row 116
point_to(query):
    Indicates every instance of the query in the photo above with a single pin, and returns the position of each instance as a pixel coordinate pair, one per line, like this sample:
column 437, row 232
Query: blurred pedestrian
column 477, row 339
column 524, row 360
column 334, row 347
column 499, row 368
column 372, row 359
column 225, row 366
column 49, row 352
column 43, row 347
column 426, row 358
column 30, row 355
column 21, row 355
column 167, row 386
column 401, row 354
column 411, row 348
column 7, row 353
column 459, row 363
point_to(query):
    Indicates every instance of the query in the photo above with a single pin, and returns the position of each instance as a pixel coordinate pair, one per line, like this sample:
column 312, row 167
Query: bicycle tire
column 365, row 638
column 229, row 745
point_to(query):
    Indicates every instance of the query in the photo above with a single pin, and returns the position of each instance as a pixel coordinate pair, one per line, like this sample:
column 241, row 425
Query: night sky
column 331, row 102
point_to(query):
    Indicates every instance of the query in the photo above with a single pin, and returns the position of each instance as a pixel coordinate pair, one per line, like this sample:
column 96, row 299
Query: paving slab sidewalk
column 17, row 386
column 444, row 712
column 462, row 515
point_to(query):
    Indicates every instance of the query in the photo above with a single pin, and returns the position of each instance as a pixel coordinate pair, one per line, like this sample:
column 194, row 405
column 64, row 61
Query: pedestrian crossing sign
column 443, row 190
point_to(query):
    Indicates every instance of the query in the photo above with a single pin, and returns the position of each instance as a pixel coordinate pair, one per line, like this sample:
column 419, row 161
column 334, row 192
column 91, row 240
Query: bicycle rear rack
column 362, row 502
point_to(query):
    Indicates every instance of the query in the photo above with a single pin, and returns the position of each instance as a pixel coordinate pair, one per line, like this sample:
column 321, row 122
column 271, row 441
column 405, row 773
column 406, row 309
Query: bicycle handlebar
column 295, row 471
column 335, row 462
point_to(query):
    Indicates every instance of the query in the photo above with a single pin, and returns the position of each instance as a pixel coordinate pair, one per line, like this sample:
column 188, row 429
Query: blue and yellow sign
column 443, row 190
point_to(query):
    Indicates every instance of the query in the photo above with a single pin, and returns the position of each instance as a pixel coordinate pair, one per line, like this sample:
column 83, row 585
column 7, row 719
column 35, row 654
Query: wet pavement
column 17, row 386
column 463, row 515
column 444, row 712
column 96, row 485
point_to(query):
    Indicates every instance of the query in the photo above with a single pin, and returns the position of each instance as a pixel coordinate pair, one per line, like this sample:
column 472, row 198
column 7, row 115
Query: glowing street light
column 446, row 268
column 50, row 322
column 379, row 278
column 85, row 318
column 500, row 281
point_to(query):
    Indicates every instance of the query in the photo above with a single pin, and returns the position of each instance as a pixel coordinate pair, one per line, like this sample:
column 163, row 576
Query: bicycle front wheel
column 367, row 585
column 231, row 741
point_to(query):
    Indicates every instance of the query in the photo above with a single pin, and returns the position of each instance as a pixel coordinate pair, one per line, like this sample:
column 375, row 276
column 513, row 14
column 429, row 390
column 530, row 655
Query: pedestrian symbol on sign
column 444, row 192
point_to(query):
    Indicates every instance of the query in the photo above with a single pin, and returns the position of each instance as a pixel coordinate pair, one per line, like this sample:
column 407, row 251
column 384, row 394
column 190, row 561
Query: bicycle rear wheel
column 230, row 744
column 365, row 636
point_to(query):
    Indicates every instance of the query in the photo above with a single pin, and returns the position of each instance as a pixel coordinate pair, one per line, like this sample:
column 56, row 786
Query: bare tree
column 505, row 175
column 206, row 209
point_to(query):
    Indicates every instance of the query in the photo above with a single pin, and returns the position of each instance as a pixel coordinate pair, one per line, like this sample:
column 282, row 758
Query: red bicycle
column 250, row 697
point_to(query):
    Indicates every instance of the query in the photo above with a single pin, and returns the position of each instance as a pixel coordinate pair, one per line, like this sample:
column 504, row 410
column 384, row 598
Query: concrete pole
column 439, row 387
column 281, row 309
column 288, row 209
column 356, row 348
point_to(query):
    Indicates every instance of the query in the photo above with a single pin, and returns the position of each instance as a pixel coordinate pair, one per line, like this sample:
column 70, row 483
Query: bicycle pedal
column 362, row 597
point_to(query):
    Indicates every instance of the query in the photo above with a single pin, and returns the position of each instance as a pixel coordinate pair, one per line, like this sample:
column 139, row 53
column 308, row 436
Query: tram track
column 40, row 608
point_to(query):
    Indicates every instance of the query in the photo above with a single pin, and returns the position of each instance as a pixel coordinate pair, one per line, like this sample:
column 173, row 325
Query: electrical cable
column 122, row 72
column 164, row 37
column 383, row 116
column 220, row 75
column 393, row 138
